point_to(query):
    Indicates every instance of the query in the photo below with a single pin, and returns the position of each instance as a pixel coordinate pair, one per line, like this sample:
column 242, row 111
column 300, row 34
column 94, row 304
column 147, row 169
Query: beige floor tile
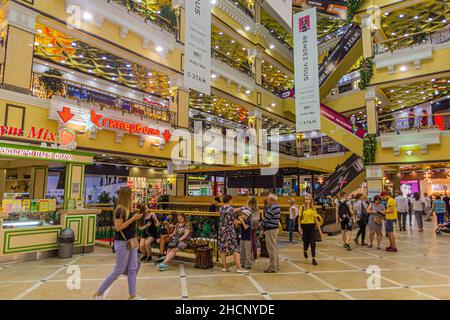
column 342, row 253
column 350, row 280
column 437, row 292
column 9, row 291
column 19, row 273
column 236, row 298
column 59, row 291
column 288, row 282
column 87, row 273
column 220, row 285
column 146, row 288
column 383, row 263
column 323, row 265
column 414, row 277
column 96, row 259
column 387, row 294
column 422, row 262
column 444, row 271
column 309, row 296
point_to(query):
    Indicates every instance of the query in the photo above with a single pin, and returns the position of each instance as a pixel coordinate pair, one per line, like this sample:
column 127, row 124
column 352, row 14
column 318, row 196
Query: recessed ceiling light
column 247, row 28
column 87, row 16
column 403, row 68
column 271, row 46
column 159, row 49
column 401, row 15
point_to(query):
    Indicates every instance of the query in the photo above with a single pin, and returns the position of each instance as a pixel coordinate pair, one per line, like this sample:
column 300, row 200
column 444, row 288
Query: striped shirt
column 272, row 217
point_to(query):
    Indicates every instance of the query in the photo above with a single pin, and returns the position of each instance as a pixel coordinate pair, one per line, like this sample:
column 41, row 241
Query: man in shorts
column 346, row 218
column 391, row 217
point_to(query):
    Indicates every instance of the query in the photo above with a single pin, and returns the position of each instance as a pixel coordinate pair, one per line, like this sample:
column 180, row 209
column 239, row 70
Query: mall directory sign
column 307, row 91
column 197, row 49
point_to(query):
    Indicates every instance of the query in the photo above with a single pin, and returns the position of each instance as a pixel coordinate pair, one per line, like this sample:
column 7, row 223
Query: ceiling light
column 220, row 33
column 416, row 17
column 401, row 15
column 247, row 92
column 87, row 16
column 213, row 1
column 36, row 43
column 159, row 49
column 271, row 46
column 403, row 68
column 273, row 105
column 213, row 76
column 247, row 28
column 409, row 153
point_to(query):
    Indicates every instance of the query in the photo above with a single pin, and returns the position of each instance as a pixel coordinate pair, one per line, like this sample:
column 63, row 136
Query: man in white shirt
column 427, row 201
column 402, row 209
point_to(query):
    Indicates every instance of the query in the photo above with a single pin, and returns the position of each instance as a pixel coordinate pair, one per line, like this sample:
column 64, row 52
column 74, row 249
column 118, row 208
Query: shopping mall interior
column 182, row 107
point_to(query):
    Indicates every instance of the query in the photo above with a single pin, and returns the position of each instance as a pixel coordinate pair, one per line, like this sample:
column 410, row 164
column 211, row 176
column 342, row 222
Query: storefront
column 31, row 215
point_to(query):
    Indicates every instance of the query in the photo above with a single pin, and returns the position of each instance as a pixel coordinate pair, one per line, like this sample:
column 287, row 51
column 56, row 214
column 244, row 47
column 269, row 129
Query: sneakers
column 314, row 262
column 243, row 271
column 160, row 259
column 269, row 271
column 163, row 267
column 136, row 298
column 144, row 258
column 347, row 246
column 97, row 296
column 391, row 249
column 226, row 270
column 149, row 258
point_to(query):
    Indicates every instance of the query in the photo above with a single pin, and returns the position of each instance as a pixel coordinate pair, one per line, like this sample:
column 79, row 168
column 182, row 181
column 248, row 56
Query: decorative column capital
column 19, row 16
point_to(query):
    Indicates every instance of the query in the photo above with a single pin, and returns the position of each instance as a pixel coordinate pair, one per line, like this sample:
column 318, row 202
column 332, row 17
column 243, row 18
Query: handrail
column 398, row 43
column 391, row 123
column 147, row 14
column 231, row 62
column 279, row 38
column 247, row 11
column 148, row 111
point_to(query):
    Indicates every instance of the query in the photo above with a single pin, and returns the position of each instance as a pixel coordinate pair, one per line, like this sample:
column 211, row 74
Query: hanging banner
column 197, row 48
column 336, row 8
column 342, row 121
column 307, row 104
column 283, row 8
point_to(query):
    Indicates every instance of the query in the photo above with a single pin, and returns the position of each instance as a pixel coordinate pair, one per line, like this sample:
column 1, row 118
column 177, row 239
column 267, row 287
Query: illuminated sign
column 47, row 155
column 99, row 121
column 34, row 133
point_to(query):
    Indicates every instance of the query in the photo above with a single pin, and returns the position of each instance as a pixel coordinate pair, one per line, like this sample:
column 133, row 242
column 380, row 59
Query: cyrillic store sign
column 307, row 91
column 197, row 48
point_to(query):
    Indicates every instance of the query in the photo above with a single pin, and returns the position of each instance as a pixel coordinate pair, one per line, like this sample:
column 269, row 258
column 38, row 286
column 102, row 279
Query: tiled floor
column 420, row 270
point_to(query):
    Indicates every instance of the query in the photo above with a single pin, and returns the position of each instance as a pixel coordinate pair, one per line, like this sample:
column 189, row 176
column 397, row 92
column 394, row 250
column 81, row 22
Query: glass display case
column 19, row 211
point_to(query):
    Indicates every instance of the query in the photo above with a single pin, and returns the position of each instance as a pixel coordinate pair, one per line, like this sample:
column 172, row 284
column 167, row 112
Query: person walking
column 376, row 216
column 360, row 209
column 439, row 210
column 309, row 225
column 427, row 201
column 125, row 244
column 418, row 208
column 402, row 208
column 390, row 215
column 227, row 239
column 270, row 225
column 293, row 214
column 346, row 218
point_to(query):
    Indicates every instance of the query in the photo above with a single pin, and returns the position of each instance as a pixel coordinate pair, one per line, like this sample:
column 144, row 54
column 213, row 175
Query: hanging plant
column 369, row 148
column 352, row 7
column 169, row 14
column 365, row 72
column 51, row 84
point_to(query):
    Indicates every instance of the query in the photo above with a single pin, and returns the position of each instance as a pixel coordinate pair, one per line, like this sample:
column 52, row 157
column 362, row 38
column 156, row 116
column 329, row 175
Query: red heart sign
column 66, row 136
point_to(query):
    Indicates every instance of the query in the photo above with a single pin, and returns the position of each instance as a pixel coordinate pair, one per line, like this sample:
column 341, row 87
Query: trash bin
column 66, row 240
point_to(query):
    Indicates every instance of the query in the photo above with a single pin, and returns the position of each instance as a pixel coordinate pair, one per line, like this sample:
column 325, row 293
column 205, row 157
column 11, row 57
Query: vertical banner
column 197, row 49
column 283, row 8
column 307, row 91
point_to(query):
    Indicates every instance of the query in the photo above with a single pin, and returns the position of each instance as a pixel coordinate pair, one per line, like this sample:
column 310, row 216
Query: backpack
column 343, row 211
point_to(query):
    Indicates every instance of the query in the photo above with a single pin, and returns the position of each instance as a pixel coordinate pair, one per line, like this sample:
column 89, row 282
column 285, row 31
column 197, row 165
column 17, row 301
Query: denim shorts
column 389, row 225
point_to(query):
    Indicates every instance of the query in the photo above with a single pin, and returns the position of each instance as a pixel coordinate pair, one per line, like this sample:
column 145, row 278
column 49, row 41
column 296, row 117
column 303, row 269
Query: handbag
column 378, row 219
column 132, row 243
column 173, row 243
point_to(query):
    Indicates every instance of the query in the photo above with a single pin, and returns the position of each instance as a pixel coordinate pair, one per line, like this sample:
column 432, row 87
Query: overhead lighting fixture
column 159, row 49
column 409, row 153
column 271, row 46
column 248, row 91
column 247, row 28
column 403, row 68
column 213, row 2
column 87, row 16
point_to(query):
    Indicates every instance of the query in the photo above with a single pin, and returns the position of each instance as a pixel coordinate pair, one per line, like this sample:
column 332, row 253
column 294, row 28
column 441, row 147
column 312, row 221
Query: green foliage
column 366, row 72
column 104, row 197
column 369, row 148
column 169, row 13
column 353, row 6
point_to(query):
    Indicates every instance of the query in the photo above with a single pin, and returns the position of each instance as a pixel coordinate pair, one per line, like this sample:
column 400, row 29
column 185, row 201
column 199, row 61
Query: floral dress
column 227, row 241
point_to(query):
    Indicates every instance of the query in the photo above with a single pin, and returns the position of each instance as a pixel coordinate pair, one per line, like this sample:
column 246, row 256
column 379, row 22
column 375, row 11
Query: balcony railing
column 243, row 66
column 394, row 123
column 166, row 17
column 83, row 93
column 315, row 149
column 243, row 8
column 280, row 38
column 413, row 40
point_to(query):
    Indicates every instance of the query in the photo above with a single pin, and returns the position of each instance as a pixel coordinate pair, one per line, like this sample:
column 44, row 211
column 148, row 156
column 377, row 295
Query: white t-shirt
column 427, row 201
column 402, row 204
column 293, row 212
column 417, row 204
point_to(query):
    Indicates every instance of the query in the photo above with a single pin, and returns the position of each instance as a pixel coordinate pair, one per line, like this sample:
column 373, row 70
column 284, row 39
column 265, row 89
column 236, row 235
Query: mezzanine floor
column 420, row 270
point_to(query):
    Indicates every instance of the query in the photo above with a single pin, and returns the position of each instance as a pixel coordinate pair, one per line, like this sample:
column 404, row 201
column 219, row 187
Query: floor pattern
column 420, row 270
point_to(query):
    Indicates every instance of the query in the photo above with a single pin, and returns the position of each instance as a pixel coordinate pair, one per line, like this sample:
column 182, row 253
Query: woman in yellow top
column 308, row 220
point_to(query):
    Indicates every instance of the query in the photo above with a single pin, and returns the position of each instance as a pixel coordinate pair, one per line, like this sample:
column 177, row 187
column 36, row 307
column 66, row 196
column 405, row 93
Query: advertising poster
column 336, row 8
column 307, row 104
column 197, row 49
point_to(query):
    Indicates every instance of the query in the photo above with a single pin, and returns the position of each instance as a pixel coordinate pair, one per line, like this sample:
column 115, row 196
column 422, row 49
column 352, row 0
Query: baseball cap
column 384, row 194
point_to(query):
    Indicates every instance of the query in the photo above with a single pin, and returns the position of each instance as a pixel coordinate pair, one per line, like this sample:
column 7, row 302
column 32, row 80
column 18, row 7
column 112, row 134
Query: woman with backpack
column 308, row 221
column 360, row 208
column 346, row 218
